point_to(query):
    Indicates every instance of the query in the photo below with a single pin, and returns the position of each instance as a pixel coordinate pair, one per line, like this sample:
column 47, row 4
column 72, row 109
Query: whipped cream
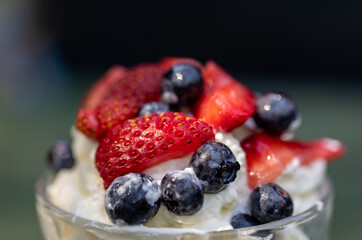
column 80, row 190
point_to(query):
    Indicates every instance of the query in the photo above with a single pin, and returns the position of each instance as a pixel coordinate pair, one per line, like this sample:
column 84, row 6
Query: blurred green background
column 51, row 51
column 26, row 134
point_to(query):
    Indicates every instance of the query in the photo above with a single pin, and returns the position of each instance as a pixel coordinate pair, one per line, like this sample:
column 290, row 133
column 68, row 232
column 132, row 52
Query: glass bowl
column 57, row 224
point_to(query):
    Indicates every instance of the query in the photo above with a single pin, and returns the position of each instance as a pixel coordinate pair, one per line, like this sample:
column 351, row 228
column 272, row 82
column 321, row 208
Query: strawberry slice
column 215, row 77
column 226, row 108
column 168, row 62
column 117, row 96
column 116, row 110
column 267, row 156
column 87, row 123
column 143, row 142
column 226, row 103
column 100, row 89
column 144, row 79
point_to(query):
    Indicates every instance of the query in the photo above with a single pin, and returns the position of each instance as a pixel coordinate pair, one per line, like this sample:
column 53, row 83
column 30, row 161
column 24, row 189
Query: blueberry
column 269, row 202
column 133, row 198
column 182, row 193
column 215, row 165
column 153, row 107
column 275, row 112
column 182, row 85
column 60, row 156
column 243, row 220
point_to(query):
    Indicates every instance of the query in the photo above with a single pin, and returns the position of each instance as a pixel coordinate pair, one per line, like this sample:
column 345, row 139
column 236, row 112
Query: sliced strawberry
column 87, row 123
column 226, row 108
column 215, row 77
column 117, row 109
column 145, row 141
column 267, row 156
column 101, row 88
column 168, row 62
column 144, row 79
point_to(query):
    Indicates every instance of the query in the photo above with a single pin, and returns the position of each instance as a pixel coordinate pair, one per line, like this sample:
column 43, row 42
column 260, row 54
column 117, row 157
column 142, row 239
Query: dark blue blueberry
column 133, row 198
column 182, row 193
column 215, row 165
column 182, row 85
column 269, row 202
column 275, row 112
column 153, row 107
column 243, row 220
column 60, row 156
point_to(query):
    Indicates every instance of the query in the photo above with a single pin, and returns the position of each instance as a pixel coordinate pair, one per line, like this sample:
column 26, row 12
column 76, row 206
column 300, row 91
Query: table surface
column 329, row 107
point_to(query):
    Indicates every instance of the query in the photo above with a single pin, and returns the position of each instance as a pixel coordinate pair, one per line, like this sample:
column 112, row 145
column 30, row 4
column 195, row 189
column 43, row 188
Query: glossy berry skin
column 182, row 193
column 133, row 198
column 243, row 220
column 60, row 156
column 146, row 141
column 215, row 165
column 182, row 85
column 154, row 107
column 269, row 202
column 275, row 112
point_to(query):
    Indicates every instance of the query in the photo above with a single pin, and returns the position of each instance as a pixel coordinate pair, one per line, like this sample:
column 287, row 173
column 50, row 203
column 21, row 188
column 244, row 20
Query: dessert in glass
column 181, row 150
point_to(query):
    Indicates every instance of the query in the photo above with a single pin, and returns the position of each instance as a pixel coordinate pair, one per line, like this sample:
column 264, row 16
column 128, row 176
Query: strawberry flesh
column 267, row 156
column 100, row 89
column 226, row 108
column 226, row 103
column 146, row 141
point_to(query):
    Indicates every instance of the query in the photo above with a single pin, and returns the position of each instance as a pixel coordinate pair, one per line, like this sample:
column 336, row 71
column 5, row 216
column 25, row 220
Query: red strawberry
column 226, row 108
column 267, row 156
column 101, row 88
column 144, row 79
column 168, row 62
column 145, row 141
column 87, row 123
column 215, row 77
column 226, row 103
column 117, row 97
column 115, row 110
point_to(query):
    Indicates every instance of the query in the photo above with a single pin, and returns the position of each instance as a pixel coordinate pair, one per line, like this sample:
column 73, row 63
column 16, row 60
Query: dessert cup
column 57, row 224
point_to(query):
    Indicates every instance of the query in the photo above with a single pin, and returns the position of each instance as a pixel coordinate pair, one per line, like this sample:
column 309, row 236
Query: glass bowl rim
column 327, row 193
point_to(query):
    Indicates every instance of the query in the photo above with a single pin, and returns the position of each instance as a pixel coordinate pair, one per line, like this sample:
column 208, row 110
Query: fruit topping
column 275, row 113
column 226, row 103
column 118, row 96
column 143, row 79
column 267, row 156
column 100, row 89
column 182, row 85
column 269, row 202
column 215, row 165
column 154, row 107
column 60, row 156
column 243, row 220
column 143, row 142
column 182, row 193
column 115, row 110
column 215, row 77
column 133, row 198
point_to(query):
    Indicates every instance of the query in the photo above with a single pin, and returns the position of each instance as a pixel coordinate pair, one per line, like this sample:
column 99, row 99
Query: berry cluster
column 151, row 113
column 182, row 192
column 268, row 203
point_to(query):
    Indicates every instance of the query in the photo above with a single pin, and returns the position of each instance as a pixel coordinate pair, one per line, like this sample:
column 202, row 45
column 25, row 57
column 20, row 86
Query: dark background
column 250, row 36
column 51, row 51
